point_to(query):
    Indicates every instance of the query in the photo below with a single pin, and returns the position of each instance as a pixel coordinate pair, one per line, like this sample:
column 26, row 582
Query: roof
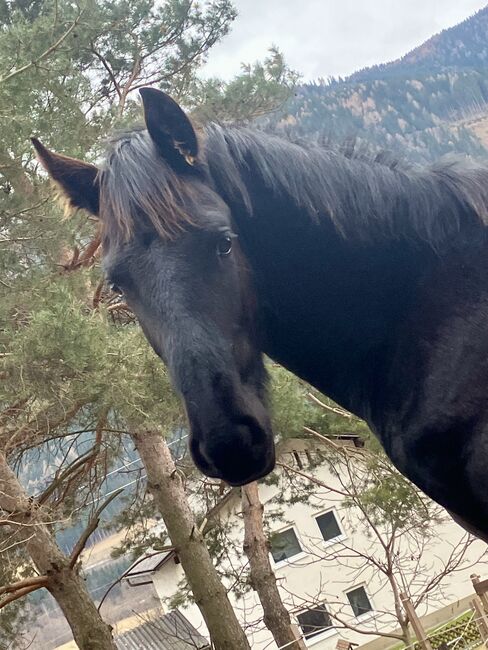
column 171, row 631
column 149, row 563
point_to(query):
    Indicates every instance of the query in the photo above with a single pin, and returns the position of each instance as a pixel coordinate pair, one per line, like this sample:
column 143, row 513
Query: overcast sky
column 333, row 37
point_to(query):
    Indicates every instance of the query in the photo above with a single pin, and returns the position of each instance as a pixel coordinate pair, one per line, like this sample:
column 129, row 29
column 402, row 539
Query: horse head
column 170, row 246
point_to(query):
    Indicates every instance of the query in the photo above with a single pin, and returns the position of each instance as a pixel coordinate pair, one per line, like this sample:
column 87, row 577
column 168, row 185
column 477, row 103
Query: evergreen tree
column 78, row 378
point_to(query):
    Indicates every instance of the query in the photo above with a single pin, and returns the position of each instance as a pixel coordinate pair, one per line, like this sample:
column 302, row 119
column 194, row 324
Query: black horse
column 370, row 282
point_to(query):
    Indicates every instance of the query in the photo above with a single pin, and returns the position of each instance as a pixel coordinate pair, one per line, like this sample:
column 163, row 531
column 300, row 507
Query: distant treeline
column 415, row 107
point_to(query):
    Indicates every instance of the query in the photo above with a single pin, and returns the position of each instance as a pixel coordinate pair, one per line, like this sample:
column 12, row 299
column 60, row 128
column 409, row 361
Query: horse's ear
column 78, row 180
column 170, row 128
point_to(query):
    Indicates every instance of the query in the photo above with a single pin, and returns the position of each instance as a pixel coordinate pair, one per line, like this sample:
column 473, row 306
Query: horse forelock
column 365, row 197
column 137, row 188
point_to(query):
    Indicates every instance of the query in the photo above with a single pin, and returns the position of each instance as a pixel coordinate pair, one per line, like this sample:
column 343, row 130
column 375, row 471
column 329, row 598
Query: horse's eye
column 224, row 245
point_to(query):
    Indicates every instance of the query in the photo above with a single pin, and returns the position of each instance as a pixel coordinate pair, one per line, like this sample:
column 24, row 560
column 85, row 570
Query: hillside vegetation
column 421, row 106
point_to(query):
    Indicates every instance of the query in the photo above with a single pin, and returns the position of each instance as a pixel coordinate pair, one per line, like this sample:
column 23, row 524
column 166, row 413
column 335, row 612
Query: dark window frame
column 339, row 535
column 358, row 614
column 315, row 631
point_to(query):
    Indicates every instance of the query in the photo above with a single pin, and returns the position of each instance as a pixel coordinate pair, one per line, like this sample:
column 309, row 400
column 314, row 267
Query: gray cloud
column 332, row 37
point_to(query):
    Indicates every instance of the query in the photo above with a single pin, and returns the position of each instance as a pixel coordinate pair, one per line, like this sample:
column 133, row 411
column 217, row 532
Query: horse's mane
column 137, row 186
column 366, row 196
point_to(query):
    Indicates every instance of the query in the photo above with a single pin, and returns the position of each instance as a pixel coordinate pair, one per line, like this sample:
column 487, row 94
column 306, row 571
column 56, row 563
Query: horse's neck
column 329, row 307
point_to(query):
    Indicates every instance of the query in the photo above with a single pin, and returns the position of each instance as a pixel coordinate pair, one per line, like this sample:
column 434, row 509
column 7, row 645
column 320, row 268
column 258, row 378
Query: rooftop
column 171, row 631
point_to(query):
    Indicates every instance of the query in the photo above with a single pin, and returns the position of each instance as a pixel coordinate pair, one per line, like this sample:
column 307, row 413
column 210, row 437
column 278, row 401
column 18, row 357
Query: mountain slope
column 463, row 46
column 421, row 107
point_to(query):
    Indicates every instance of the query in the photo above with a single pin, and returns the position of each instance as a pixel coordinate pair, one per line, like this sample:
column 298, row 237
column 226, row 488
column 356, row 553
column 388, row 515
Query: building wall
column 325, row 571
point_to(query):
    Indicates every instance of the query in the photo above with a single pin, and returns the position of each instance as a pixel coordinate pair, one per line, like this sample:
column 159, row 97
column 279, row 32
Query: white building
column 327, row 564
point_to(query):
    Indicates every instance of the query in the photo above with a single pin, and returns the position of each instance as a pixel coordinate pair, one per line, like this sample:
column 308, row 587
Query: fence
column 463, row 634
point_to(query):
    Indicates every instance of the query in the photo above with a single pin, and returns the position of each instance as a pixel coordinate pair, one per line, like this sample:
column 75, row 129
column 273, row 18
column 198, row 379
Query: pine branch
column 107, row 67
column 36, row 581
column 46, row 53
column 13, row 409
column 19, row 594
column 72, row 468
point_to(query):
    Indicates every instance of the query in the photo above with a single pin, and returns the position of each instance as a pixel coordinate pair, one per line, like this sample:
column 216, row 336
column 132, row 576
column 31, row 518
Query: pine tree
column 78, row 378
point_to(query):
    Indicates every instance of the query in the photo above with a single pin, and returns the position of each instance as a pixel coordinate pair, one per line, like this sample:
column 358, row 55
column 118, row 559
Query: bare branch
column 107, row 67
column 97, row 296
column 136, row 69
column 16, row 439
column 91, row 527
column 361, row 630
column 333, row 409
column 120, row 306
column 132, row 566
column 312, row 479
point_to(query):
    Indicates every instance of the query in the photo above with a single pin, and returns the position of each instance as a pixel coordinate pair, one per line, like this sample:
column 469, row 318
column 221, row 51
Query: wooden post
column 481, row 617
column 342, row 644
column 415, row 622
column 481, row 589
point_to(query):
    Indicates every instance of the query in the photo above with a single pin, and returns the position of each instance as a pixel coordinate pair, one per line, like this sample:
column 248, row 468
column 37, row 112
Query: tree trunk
column 263, row 580
column 168, row 491
column 63, row 582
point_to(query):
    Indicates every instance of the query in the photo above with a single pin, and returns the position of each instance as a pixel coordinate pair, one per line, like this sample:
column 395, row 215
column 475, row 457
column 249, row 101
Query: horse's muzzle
column 238, row 453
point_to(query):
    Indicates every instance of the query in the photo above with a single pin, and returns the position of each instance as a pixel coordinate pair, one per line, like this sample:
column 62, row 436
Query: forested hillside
column 420, row 107
column 462, row 46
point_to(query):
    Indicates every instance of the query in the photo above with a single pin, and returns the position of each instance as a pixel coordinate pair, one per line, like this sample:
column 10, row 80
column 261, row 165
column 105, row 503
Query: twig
column 344, row 450
column 312, row 479
column 119, row 306
column 73, row 467
column 107, row 67
column 132, row 566
column 333, row 409
column 20, row 542
column 98, row 294
column 91, row 527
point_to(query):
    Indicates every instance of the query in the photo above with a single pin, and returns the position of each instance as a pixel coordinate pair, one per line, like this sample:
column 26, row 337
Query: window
column 285, row 545
column 329, row 526
column 359, row 601
column 314, row 621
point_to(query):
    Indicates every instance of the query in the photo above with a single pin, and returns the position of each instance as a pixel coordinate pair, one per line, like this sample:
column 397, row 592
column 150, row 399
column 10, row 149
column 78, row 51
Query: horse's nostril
column 253, row 431
column 239, row 452
column 201, row 459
